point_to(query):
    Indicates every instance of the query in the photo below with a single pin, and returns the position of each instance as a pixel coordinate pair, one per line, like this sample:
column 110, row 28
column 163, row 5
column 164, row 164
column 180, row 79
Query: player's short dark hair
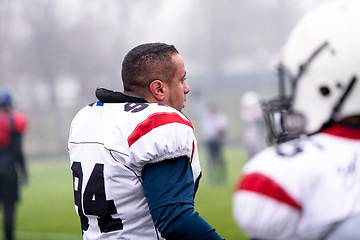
column 145, row 63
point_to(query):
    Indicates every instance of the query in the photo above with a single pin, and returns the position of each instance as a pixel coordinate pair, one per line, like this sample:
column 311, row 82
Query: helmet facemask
column 281, row 123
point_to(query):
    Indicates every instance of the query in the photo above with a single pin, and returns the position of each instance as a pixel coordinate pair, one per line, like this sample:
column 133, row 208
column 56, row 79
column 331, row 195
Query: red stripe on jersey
column 343, row 131
column 257, row 182
column 153, row 121
column 192, row 152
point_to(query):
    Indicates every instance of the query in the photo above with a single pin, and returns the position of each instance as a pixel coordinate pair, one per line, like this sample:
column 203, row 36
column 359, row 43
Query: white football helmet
column 321, row 58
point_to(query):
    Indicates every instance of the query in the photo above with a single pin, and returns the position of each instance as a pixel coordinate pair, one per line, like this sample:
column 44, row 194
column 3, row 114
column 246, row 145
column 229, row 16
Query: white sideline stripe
column 51, row 236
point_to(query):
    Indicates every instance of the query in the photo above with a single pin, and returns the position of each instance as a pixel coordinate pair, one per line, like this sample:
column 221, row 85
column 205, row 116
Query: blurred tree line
column 54, row 53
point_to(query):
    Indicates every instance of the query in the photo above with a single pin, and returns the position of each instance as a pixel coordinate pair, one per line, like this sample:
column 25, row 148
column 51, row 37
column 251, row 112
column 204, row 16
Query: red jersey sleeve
column 20, row 122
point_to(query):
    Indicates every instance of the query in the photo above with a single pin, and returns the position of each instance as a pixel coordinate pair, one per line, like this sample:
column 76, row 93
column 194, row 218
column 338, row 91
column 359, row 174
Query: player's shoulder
column 161, row 119
column 296, row 155
column 160, row 133
column 156, row 114
column 20, row 122
column 169, row 112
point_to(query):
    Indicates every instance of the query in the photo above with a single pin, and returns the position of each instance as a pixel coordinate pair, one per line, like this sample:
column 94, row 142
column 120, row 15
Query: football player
column 252, row 121
column 13, row 171
column 134, row 155
column 307, row 186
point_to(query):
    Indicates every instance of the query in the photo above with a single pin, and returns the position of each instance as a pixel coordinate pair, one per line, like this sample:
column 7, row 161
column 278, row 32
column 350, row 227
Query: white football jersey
column 300, row 195
column 109, row 144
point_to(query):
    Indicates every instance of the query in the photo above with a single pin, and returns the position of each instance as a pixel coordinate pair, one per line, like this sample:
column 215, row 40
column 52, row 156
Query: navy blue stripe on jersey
column 169, row 190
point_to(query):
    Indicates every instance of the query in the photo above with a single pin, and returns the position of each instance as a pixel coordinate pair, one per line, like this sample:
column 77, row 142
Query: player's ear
column 157, row 89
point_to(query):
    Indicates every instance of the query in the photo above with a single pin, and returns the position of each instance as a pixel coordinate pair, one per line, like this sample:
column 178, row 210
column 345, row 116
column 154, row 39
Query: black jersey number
column 94, row 199
column 135, row 107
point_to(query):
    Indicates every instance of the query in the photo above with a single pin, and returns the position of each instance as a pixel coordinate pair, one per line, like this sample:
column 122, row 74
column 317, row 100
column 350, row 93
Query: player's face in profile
column 178, row 87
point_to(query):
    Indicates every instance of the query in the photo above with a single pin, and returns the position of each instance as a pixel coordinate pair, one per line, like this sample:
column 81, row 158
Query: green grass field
column 46, row 210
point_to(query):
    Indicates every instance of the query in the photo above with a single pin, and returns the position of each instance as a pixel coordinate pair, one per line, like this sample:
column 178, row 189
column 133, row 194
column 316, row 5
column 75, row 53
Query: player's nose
column 186, row 88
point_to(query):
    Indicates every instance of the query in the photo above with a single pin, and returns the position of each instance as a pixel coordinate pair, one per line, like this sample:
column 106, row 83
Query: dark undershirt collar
column 109, row 96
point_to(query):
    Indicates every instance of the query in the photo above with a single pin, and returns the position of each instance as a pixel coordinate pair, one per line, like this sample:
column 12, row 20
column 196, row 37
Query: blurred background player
column 12, row 164
column 252, row 122
column 134, row 155
column 214, row 125
column 308, row 187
